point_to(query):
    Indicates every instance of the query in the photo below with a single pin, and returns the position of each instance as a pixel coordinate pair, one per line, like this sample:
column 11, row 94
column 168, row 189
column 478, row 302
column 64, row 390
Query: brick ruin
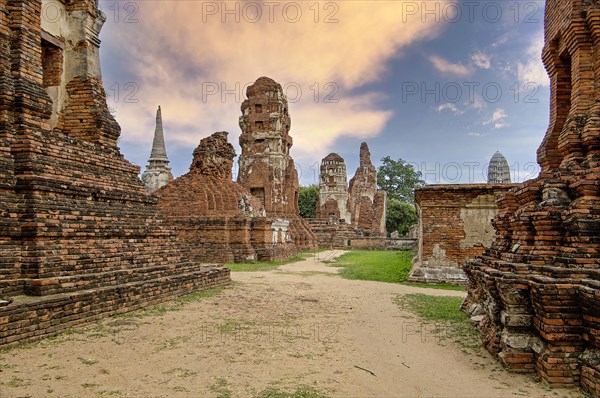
column 80, row 239
column 455, row 225
column 333, row 190
column 354, row 214
column 219, row 219
column 535, row 294
column 266, row 168
column 366, row 203
column 158, row 172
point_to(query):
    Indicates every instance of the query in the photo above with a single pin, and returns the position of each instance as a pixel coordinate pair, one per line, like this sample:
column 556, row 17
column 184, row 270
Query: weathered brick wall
column 535, row 293
column 332, row 235
column 266, row 168
column 455, row 225
column 218, row 219
column 78, row 230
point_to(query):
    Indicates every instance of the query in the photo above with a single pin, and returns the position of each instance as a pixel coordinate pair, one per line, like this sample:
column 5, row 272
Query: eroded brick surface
column 217, row 218
column 536, row 292
column 266, row 168
column 455, row 225
column 80, row 238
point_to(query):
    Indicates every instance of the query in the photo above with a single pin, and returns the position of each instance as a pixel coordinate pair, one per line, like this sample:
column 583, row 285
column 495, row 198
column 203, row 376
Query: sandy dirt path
column 300, row 324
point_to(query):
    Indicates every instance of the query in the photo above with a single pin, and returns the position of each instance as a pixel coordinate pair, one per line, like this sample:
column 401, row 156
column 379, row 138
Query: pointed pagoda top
column 159, row 152
column 498, row 169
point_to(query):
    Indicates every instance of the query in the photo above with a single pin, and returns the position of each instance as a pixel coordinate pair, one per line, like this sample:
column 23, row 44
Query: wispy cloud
column 475, row 134
column 450, row 107
column 481, row 60
column 446, row 67
column 498, row 119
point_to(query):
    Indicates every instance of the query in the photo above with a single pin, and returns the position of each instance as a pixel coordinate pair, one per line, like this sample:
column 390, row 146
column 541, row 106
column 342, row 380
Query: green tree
column 400, row 216
column 399, row 179
column 307, row 200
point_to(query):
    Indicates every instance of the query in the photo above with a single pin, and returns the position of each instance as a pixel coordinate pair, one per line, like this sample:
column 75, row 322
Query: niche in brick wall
column 52, row 64
column 259, row 193
column 562, row 104
column 52, row 71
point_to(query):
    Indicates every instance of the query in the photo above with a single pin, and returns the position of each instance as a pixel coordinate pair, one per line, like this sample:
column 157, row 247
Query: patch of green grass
column 169, row 344
column 182, row 373
column 221, row 388
column 267, row 265
column 448, row 320
column 443, row 286
column 376, row 265
column 18, row 382
column 433, row 308
column 301, row 392
column 88, row 362
column 383, row 266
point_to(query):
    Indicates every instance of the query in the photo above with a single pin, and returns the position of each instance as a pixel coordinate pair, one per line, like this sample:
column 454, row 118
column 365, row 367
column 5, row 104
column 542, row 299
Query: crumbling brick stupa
column 266, row 168
column 80, row 238
column 535, row 294
column 219, row 219
column 350, row 216
column 366, row 203
column 333, row 190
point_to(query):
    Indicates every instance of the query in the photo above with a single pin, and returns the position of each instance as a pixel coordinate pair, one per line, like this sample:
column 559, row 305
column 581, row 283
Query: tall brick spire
column 158, row 172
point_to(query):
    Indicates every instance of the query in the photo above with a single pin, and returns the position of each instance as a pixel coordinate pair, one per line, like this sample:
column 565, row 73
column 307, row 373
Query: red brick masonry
column 535, row 293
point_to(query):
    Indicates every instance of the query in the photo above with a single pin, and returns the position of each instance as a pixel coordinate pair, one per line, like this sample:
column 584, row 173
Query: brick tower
column 536, row 293
column 266, row 168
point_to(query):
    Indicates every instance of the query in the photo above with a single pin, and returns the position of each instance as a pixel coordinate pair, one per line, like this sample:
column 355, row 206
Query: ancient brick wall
column 266, row 168
column 535, row 293
column 77, row 225
column 219, row 219
column 455, row 225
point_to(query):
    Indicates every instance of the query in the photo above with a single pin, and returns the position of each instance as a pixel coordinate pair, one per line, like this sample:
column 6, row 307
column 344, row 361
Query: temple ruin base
column 30, row 318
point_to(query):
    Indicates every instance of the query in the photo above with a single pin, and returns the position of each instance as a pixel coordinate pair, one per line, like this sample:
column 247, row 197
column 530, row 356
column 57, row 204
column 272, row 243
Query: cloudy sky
column 441, row 84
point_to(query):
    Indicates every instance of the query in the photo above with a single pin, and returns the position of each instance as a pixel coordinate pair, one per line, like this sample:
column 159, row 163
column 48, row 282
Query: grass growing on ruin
column 382, row 266
column 442, row 320
column 267, row 265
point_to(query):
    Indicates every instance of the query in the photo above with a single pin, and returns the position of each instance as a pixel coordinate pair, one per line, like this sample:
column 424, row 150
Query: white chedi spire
column 498, row 170
column 158, row 172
